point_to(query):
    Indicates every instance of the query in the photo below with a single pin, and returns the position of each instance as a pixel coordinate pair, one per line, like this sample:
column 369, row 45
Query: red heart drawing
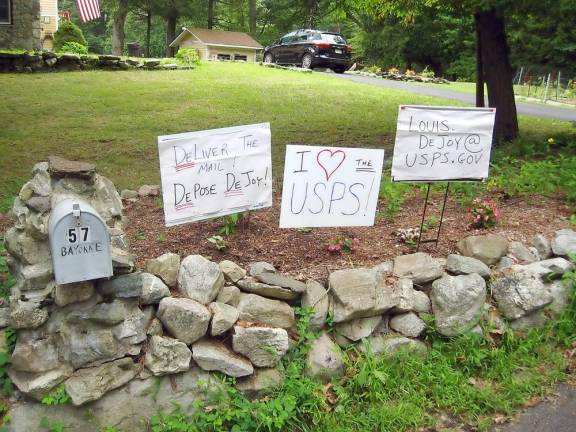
column 331, row 161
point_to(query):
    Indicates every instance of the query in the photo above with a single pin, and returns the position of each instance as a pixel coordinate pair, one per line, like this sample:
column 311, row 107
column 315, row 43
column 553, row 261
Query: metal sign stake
column 424, row 216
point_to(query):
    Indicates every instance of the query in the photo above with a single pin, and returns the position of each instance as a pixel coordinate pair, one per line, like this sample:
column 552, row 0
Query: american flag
column 89, row 9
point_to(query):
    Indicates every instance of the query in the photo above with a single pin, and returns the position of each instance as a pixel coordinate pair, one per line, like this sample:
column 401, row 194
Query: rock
column 519, row 251
column 564, row 242
column 39, row 204
column 33, row 277
column 128, row 194
column 266, row 273
column 487, row 248
column 543, row 246
column 532, row 320
column 383, row 268
column 39, row 186
column 153, row 289
column 553, row 266
column 167, row 356
column 36, row 355
column 73, row 293
column 155, row 328
column 519, row 293
column 166, row 267
column 257, row 309
column 59, row 168
column 230, row 295
column 261, row 383
column 124, row 286
column 560, row 292
column 127, row 408
column 408, row 324
column 420, row 267
column 358, row 294
column 26, row 315
column 90, row 384
column 505, row 262
column 457, row 303
column 410, row 299
column 150, row 63
column 316, row 297
column 185, row 319
column 200, row 279
column 223, row 317
column 251, row 285
column 262, row 345
column 215, row 356
column 4, row 318
column 26, row 249
column 38, row 384
column 149, row 190
column 462, row 265
column 122, row 261
column 534, row 253
column 393, row 344
column 359, row 328
column 324, row 360
column 107, row 201
column 232, row 271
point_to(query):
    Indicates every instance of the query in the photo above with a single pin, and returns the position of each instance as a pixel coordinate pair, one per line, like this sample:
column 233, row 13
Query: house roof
column 219, row 38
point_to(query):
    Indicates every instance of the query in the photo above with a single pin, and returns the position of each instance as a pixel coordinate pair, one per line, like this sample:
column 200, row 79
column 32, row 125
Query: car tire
column 339, row 69
column 268, row 58
column 307, row 61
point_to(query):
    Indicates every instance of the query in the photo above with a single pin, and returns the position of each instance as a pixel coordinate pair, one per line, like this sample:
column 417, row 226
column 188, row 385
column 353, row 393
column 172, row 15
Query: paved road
column 444, row 92
column 558, row 415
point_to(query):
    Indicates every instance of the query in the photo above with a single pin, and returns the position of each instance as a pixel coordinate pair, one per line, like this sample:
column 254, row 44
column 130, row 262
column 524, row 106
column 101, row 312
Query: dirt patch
column 304, row 254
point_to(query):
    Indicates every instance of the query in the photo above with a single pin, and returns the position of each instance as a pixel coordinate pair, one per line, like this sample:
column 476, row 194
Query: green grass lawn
column 113, row 118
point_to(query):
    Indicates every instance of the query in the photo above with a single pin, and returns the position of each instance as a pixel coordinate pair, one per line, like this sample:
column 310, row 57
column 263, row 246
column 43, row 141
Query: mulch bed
column 305, row 255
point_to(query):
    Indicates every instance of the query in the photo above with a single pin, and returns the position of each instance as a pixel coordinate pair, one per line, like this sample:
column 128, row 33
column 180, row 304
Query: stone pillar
column 24, row 32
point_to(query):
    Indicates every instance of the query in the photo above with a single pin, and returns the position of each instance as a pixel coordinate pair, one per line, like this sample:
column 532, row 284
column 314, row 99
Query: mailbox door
column 80, row 248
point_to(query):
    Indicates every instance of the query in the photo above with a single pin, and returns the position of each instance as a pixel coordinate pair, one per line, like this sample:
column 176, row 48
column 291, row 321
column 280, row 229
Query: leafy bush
column 485, row 214
column 68, row 32
column 342, row 244
column 188, row 56
column 393, row 194
column 58, row 396
column 463, row 69
column 74, row 48
column 229, row 224
column 427, row 73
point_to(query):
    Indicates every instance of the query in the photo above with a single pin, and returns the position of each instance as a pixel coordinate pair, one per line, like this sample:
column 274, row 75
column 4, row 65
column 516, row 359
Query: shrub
column 484, row 213
column 188, row 56
column 68, row 32
column 342, row 244
column 427, row 73
column 74, row 48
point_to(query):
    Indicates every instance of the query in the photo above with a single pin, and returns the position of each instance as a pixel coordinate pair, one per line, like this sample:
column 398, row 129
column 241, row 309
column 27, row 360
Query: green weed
column 229, row 224
column 51, row 426
column 58, row 396
column 218, row 242
column 393, row 195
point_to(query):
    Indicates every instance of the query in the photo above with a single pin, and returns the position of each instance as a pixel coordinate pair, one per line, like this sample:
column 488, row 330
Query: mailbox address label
column 79, row 242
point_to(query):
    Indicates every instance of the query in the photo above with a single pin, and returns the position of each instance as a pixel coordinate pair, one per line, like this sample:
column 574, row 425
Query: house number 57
column 78, row 234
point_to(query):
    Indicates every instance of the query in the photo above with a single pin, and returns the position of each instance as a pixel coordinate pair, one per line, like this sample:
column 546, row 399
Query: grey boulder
column 487, row 248
column 212, row 355
column 316, row 297
column 462, row 265
column 262, row 345
column 185, row 319
column 167, row 356
column 408, row 324
column 166, row 267
column 420, row 267
column 257, row 309
column 324, row 360
column 564, row 242
column 223, row 317
column 200, row 279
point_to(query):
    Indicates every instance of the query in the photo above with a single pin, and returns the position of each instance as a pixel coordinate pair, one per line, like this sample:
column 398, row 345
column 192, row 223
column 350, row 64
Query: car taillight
column 322, row 44
column 348, row 49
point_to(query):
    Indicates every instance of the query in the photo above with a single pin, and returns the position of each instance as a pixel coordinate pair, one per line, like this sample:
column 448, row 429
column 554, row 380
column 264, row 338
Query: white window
column 5, row 12
column 241, row 57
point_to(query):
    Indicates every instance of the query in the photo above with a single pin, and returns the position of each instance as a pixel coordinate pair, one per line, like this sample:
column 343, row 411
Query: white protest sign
column 216, row 172
column 442, row 143
column 330, row 186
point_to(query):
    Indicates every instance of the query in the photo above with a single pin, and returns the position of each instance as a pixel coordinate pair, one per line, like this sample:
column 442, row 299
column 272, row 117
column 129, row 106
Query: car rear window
column 333, row 38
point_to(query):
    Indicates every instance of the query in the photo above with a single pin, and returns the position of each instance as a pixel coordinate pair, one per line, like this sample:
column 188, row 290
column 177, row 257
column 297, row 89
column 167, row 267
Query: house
column 218, row 44
column 49, row 22
column 28, row 24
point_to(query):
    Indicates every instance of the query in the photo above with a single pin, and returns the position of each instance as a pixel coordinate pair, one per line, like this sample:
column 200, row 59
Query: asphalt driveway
column 444, row 92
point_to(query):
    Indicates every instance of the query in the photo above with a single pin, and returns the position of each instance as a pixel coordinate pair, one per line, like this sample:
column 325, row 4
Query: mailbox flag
column 89, row 9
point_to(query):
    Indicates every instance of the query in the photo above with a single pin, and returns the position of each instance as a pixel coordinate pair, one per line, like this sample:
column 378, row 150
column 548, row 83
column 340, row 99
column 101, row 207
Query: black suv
column 311, row 48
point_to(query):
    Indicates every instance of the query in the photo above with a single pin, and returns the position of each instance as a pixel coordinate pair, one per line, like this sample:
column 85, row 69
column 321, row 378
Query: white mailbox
column 79, row 242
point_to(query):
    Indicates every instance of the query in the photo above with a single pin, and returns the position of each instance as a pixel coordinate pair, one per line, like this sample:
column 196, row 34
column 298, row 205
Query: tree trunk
column 148, row 31
column 211, row 13
column 479, row 68
column 312, row 11
column 252, row 16
column 498, row 74
column 171, row 33
column 118, row 28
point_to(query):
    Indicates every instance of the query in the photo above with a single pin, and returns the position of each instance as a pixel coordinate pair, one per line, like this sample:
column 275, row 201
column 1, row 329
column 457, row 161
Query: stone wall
column 25, row 30
column 47, row 61
column 125, row 347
